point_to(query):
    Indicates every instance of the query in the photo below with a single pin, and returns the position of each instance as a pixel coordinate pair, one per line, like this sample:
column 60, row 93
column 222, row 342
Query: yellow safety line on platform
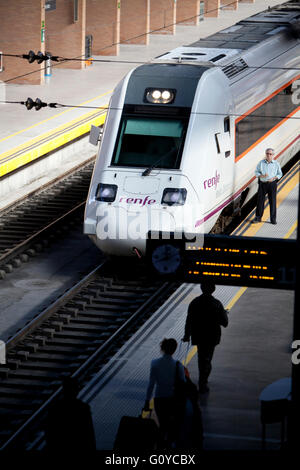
column 292, row 229
column 53, row 117
column 50, row 145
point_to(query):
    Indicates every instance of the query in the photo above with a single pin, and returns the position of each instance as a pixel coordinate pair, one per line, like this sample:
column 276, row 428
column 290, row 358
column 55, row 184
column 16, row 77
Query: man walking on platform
column 203, row 324
column 268, row 172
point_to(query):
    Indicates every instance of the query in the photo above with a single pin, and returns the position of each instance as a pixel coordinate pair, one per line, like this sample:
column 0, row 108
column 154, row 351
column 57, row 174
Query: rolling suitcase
column 136, row 434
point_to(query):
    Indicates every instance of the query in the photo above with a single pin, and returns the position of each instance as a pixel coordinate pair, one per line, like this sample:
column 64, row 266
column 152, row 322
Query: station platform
column 255, row 351
column 26, row 136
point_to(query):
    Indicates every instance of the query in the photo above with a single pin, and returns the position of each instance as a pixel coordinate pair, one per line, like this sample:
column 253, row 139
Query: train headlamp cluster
column 159, row 95
column 174, row 196
column 106, row 192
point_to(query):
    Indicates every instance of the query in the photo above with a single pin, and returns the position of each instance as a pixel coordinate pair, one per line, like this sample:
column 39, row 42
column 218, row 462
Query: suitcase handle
column 146, row 414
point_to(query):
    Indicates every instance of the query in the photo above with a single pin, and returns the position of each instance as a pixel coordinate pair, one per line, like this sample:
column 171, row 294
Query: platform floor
column 254, row 352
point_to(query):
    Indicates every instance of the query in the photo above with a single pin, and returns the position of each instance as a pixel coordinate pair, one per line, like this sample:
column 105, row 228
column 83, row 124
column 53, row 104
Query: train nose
column 119, row 230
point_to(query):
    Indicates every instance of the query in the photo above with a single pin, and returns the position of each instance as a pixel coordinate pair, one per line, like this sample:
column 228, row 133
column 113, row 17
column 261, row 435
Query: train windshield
column 143, row 142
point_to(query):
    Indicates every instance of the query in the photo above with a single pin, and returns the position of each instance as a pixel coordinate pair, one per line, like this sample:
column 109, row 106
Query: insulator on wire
column 29, row 103
column 30, row 56
column 37, row 104
column 39, row 57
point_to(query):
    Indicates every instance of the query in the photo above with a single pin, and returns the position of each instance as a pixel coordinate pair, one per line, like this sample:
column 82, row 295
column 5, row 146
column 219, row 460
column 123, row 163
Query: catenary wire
column 60, row 105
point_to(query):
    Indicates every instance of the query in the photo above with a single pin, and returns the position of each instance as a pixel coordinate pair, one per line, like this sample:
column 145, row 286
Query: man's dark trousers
column 270, row 189
column 205, row 355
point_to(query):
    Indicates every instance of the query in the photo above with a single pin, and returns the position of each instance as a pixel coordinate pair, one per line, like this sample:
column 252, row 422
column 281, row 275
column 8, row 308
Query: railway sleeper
column 107, row 314
column 147, row 291
column 77, row 335
column 85, row 327
column 6, row 402
column 7, row 235
column 90, row 322
column 123, row 295
column 21, row 354
column 62, row 349
column 55, row 356
column 110, row 297
column 13, row 364
column 15, row 415
column 20, row 393
column 14, row 232
column 68, row 311
column 45, row 375
column 76, row 304
column 95, row 291
column 75, row 342
column 87, row 298
column 48, row 332
column 101, row 280
column 29, row 347
column 55, row 325
column 114, row 309
column 29, row 384
column 49, row 365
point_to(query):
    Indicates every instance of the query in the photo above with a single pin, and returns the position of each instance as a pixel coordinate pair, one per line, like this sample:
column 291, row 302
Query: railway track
column 74, row 336
column 27, row 228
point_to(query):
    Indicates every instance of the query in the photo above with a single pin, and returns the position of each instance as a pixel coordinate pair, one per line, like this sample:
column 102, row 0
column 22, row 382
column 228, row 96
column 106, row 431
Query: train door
column 225, row 148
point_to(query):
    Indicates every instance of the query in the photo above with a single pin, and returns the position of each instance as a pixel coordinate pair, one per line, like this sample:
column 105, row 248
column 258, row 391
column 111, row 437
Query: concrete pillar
column 135, row 21
column 163, row 16
column 22, row 24
column 188, row 12
column 64, row 36
column 212, row 8
column 229, row 4
column 103, row 23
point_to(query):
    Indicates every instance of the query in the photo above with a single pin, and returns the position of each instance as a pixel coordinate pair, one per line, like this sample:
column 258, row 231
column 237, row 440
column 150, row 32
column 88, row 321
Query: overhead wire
column 61, row 105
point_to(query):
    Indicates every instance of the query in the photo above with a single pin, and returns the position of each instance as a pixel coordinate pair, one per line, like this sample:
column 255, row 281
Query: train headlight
column 159, row 95
column 106, row 192
column 174, row 196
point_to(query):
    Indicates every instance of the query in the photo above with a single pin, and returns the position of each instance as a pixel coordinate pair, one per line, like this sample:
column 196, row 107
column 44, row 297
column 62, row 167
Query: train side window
column 227, row 124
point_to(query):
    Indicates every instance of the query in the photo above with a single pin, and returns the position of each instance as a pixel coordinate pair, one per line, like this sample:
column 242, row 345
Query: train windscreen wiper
column 150, row 168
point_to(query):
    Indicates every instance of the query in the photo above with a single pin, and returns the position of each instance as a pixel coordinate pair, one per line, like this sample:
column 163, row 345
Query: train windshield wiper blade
column 150, row 168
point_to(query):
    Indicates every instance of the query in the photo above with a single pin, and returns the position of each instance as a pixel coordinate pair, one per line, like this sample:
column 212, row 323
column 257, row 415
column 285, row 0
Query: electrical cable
column 41, row 104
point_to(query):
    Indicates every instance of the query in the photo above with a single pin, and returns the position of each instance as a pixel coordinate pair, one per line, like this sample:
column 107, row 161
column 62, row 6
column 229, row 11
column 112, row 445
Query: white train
column 184, row 133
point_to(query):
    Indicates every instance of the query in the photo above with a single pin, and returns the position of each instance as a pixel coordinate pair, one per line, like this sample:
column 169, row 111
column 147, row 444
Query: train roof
column 228, row 48
column 253, row 30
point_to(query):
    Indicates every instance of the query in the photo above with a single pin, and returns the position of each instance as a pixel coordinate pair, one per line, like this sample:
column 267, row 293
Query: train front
column 139, row 183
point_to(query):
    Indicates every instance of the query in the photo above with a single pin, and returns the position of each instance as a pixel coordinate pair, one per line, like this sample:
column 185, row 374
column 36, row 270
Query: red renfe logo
column 138, row 200
column 212, row 182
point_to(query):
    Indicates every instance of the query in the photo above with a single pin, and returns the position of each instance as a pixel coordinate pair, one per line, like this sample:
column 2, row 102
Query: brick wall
column 135, row 21
column 64, row 37
column 188, row 12
column 163, row 16
column 211, row 8
column 229, row 4
column 103, row 22
column 20, row 31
